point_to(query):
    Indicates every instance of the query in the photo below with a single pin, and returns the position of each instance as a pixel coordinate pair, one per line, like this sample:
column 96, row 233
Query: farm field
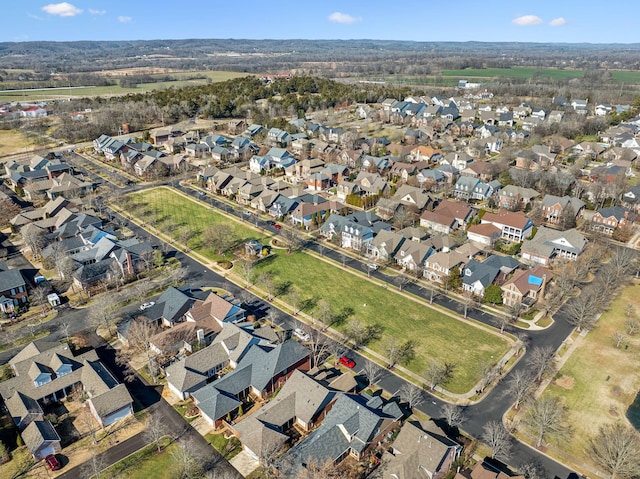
column 27, row 95
column 436, row 335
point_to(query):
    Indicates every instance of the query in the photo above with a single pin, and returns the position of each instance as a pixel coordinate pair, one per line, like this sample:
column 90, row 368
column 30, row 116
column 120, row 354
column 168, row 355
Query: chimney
column 543, row 287
column 200, row 335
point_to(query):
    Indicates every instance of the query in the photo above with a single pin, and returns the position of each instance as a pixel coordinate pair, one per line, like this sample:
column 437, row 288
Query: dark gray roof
column 11, row 279
column 482, row 272
column 37, row 433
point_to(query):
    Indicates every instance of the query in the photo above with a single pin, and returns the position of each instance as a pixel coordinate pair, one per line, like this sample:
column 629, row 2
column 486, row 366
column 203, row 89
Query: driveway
column 244, row 463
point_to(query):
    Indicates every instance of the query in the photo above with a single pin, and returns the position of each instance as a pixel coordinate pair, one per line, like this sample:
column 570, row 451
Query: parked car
column 372, row 266
column 301, row 335
column 247, row 213
column 347, row 362
column 277, row 226
column 271, row 222
column 201, row 193
column 52, row 462
column 144, row 306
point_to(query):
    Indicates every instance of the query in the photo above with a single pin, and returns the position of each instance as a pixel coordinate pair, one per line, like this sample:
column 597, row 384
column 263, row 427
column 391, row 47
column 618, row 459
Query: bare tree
column 547, row 417
column 619, row 338
column 272, row 317
column 581, row 311
column 489, row 372
column 497, row 438
column 61, row 260
column 33, row 237
column 453, row 415
column 123, row 359
column 139, row 335
column 317, row 343
column 438, row 373
column 102, row 312
column 294, row 298
column 520, row 387
column 356, row 331
column 632, row 326
column 401, row 281
column 8, row 209
column 220, row 237
column 469, row 301
column 94, row 466
column 372, row 372
column 539, row 360
column 155, row 430
column 268, row 456
column 266, row 281
column 617, row 449
column 116, row 275
column 185, row 462
column 246, row 272
column 64, row 326
column 411, row 394
column 39, row 298
column 324, row 312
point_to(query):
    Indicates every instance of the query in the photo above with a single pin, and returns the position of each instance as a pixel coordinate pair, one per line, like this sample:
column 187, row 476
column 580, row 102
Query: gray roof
column 476, row 271
column 349, row 424
column 301, row 397
column 11, row 279
column 111, row 400
column 576, row 203
column 37, row 433
column 171, row 305
column 547, row 241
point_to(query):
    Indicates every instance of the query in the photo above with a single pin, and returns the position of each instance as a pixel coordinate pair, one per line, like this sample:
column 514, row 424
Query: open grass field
column 437, row 335
column 517, row 72
column 173, row 214
column 12, row 141
column 599, row 381
column 90, row 91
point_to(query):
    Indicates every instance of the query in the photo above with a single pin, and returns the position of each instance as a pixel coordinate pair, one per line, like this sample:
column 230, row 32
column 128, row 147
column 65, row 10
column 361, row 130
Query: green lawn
column 146, row 463
column 229, row 448
column 172, row 214
column 599, row 381
column 436, row 335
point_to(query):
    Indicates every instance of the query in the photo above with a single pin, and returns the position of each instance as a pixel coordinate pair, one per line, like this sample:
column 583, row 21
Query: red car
column 347, row 362
column 277, row 227
column 52, row 462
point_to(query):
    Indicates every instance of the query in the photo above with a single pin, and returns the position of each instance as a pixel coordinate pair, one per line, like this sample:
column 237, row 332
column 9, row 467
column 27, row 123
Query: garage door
column 47, row 450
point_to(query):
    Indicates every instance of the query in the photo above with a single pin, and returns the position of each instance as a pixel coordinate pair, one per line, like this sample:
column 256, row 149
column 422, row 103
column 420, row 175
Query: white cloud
column 35, row 17
column 339, row 17
column 123, row 19
column 557, row 22
column 97, row 12
column 63, row 9
column 527, row 20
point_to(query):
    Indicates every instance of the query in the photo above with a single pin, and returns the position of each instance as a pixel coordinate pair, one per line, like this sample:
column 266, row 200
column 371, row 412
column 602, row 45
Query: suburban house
column 355, row 231
column 514, row 226
column 301, row 404
column 476, row 276
column 449, row 215
column 13, row 288
column 526, row 287
column 354, row 424
column 469, row 188
column 513, row 197
column 484, row 234
column 385, row 245
column 554, row 206
column 411, row 255
column 259, row 373
column 47, row 372
column 442, row 264
column 192, row 372
column 484, row 470
column 550, row 244
column 420, row 451
column 409, row 198
column 606, row 220
column 275, row 158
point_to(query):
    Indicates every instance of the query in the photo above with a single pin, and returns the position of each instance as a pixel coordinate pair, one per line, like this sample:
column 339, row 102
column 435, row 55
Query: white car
column 144, row 306
column 372, row 266
column 301, row 335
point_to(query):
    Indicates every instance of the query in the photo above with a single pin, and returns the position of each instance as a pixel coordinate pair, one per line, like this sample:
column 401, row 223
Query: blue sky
column 555, row 21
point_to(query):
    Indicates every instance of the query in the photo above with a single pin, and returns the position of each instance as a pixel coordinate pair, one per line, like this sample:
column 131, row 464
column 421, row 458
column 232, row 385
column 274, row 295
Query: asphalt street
column 491, row 408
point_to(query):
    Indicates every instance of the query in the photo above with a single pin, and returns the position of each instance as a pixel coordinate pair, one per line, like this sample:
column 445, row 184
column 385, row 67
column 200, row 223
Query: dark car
column 347, row 362
column 52, row 462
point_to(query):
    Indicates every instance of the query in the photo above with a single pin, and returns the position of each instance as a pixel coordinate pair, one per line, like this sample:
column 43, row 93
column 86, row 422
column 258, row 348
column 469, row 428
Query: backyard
column 599, row 381
column 436, row 335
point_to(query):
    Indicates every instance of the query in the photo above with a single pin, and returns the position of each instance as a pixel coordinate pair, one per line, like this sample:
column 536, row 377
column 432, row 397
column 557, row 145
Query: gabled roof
column 481, row 272
column 37, row 433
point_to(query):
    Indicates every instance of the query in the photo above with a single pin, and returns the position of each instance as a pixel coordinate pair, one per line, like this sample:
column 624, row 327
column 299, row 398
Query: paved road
column 491, row 408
